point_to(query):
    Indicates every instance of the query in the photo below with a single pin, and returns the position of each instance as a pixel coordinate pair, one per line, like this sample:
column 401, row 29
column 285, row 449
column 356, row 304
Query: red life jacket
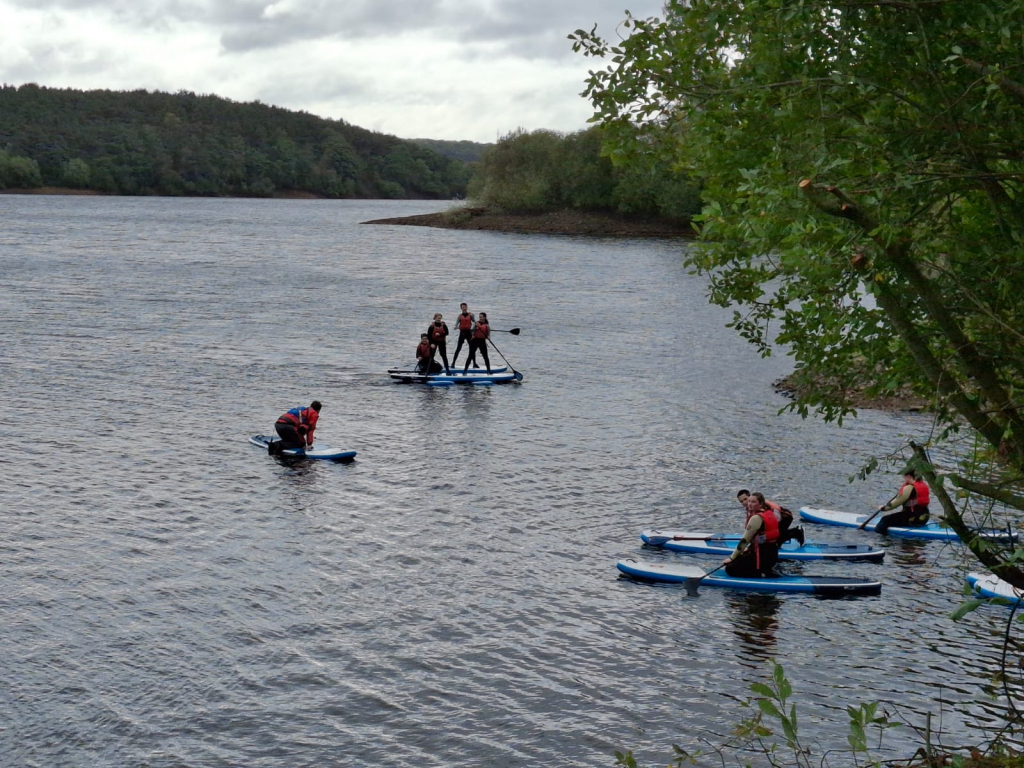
column 423, row 350
column 769, row 532
column 780, row 511
column 481, row 331
column 465, row 321
column 923, row 493
column 437, row 331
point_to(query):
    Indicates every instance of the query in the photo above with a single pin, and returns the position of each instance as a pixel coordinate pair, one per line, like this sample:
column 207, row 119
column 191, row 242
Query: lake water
column 175, row 597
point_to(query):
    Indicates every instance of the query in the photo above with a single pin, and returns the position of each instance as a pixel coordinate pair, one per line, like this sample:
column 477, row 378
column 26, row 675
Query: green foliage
column 466, row 151
column 140, row 143
column 542, row 170
column 863, row 193
column 18, row 172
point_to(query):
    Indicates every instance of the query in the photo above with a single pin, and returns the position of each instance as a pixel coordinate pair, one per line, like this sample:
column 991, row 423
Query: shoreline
column 585, row 223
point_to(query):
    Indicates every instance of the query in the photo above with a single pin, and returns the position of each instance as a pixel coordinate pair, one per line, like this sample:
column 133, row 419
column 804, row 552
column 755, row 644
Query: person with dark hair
column 425, row 363
column 295, row 427
column 784, row 515
column 478, row 343
column 437, row 332
column 757, row 551
column 464, row 321
column 913, row 498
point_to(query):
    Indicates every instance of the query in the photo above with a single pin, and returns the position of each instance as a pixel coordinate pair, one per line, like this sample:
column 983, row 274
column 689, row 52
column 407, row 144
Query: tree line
column 543, row 170
column 141, row 142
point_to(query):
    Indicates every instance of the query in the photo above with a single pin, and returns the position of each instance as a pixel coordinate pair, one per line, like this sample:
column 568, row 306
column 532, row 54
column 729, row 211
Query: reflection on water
column 756, row 625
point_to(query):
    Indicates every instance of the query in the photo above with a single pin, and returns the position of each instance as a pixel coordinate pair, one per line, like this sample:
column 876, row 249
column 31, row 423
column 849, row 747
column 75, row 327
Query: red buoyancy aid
column 303, row 418
column 435, row 331
column 481, row 331
column 465, row 321
column 769, row 533
column 923, row 493
column 779, row 510
column 423, row 350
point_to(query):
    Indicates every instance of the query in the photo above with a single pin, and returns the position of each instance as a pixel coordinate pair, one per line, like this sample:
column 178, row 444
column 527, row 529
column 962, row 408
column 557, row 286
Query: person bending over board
column 437, row 332
column 296, row 427
column 464, row 322
column 785, row 519
column 478, row 343
column 425, row 356
column 913, row 498
column 758, row 550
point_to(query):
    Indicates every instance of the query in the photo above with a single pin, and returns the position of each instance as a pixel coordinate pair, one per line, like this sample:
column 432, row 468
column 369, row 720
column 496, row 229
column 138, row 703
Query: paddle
column 657, row 540
column 692, row 584
column 861, row 526
column 519, row 376
column 513, row 331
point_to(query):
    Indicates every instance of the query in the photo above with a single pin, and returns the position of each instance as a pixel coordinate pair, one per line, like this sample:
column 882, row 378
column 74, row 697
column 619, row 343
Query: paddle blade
column 691, row 585
column 514, row 331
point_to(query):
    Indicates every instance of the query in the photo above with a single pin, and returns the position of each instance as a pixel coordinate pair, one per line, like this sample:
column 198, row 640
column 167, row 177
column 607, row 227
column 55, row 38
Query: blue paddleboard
column 824, row 586
column 988, row 585
column 332, row 454
column 723, row 544
column 931, row 530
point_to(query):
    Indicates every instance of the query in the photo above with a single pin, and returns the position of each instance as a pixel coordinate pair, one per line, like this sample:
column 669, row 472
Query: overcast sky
column 441, row 69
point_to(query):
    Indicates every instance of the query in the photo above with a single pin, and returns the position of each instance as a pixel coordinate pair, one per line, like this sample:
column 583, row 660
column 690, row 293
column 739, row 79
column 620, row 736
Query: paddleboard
column 824, row 586
column 988, row 585
column 443, row 379
column 930, row 530
column 414, row 372
column 723, row 544
column 318, row 452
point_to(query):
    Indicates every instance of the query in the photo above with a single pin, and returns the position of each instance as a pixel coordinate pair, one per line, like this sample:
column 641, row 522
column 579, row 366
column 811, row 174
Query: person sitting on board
column 913, row 498
column 785, row 519
column 464, row 321
column 437, row 332
column 296, row 427
column 425, row 356
column 478, row 343
column 757, row 551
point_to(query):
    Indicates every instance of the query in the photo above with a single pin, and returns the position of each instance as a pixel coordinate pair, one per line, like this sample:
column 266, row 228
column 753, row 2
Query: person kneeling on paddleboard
column 425, row 356
column 913, row 497
column 758, row 551
column 296, row 427
column 785, row 519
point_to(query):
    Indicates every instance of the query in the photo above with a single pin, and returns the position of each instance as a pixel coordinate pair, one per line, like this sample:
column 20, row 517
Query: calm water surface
column 175, row 597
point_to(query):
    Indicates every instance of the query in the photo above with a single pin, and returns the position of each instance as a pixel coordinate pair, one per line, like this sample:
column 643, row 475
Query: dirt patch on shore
column 901, row 402
column 593, row 223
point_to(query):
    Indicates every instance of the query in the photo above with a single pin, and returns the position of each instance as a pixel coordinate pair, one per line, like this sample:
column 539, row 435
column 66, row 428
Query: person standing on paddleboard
column 296, row 427
column 481, row 333
column 464, row 321
column 437, row 332
column 785, row 519
column 913, row 498
column 757, row 551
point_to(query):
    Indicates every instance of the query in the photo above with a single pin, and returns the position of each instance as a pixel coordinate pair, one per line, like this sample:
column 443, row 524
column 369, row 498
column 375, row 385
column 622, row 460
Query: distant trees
column 542, row 170
column 142, row 143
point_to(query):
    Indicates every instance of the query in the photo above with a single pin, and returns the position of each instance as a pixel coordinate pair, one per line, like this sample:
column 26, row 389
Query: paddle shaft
column 877, row 511
column 518, row 375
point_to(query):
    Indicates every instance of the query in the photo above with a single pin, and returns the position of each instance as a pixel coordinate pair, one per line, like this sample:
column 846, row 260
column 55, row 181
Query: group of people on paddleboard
column 768, row 526
column 472, row 330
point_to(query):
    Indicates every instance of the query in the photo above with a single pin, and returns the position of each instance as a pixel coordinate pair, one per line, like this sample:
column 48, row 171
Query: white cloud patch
column 454, row 69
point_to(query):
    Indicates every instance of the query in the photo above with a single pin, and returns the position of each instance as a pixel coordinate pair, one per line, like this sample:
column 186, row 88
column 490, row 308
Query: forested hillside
column 141, row 142
column 466, row 151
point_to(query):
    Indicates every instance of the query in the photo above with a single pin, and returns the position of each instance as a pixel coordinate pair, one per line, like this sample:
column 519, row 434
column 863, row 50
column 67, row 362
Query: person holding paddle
column 425, row 356
column 464, row 322
column 478, row 342
column 757, row 551
column 437, row 332
column 913, row 498
column 295, row 427
column 784, row 515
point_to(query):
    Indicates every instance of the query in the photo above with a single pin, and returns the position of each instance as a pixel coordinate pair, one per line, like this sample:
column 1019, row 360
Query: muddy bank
column 900, row 402
column 550, row 223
